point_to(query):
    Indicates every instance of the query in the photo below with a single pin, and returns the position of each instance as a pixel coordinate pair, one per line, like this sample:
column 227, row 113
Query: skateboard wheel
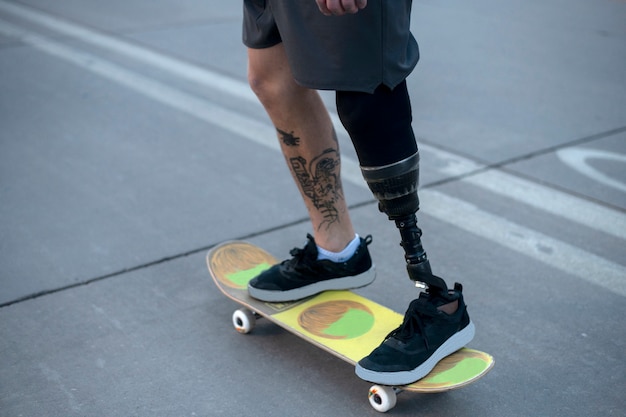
column 244, row 320
column 382, row 398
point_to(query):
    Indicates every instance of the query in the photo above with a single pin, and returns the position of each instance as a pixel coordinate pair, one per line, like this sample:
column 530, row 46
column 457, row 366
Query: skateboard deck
column 342, row 323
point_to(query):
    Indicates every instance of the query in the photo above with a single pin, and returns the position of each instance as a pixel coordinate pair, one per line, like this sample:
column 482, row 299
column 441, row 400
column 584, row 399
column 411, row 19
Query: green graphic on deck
column 241, row 278
column 353, row 324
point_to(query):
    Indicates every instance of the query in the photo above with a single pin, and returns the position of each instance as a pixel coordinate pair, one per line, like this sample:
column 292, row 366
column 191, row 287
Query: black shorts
column 353, row 52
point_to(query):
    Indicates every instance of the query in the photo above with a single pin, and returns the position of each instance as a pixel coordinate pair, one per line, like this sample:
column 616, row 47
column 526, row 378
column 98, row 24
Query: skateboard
column 342, row 323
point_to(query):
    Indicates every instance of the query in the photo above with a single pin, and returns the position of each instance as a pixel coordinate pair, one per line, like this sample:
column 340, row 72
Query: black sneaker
column 303, row 275
column 426, row 336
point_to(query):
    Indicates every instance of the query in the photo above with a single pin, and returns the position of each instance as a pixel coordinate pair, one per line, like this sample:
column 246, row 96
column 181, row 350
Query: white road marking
column 175, row 66
column 526, row 192
column 569, row 259
column 555, row 202
column 550, row 251
column 203, row 109
column 577, row 159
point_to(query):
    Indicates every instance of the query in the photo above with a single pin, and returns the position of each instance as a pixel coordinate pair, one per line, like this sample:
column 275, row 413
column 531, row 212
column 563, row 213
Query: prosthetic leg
column 436, row 323
column 379, row 125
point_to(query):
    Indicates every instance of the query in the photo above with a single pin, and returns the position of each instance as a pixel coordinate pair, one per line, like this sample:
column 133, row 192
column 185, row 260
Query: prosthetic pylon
column 395, row 188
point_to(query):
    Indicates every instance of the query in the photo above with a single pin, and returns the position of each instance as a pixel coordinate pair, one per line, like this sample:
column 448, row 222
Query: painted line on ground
column 577, row 158
column 185, row 70
column 550, row 251
column 203, row 109
column 564, row 205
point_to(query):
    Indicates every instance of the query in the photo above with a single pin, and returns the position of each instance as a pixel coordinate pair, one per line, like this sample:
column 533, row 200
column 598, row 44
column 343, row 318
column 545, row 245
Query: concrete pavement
column 130, row 144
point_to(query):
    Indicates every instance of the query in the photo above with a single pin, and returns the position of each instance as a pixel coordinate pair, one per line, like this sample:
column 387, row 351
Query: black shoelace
column 298, row 255
column 419, row 311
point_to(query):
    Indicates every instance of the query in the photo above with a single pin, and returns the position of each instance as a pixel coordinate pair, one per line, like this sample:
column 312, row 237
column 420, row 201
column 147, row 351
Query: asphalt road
column 130, row 144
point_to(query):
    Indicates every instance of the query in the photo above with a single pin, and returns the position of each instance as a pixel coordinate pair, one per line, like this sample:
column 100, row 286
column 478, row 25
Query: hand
column 340, row 7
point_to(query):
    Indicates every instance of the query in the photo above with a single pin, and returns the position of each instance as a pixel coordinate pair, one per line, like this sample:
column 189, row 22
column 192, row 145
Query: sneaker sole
column 344, row 283
column 454, row 343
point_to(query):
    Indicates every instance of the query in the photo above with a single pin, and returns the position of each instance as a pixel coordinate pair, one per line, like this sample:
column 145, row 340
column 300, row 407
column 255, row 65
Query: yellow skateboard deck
column 342, row 323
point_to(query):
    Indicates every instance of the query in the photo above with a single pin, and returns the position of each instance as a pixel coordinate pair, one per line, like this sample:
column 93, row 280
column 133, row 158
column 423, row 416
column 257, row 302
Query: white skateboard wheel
column 382, row 398
column 244, row 320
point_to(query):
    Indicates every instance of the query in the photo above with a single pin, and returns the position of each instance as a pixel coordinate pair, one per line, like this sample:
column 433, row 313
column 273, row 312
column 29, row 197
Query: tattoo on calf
column 320, row 182
column 289, row 139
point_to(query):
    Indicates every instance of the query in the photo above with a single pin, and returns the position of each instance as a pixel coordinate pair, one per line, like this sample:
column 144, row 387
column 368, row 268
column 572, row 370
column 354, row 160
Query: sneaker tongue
column 426, row 302
column 310, row 249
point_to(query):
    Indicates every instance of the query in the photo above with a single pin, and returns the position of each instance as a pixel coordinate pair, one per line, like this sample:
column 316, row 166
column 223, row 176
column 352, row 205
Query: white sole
column 454, row 343
column 344, row 283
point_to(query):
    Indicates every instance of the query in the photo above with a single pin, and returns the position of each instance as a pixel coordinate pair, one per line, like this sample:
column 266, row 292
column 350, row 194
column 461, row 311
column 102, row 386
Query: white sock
column 342, row 256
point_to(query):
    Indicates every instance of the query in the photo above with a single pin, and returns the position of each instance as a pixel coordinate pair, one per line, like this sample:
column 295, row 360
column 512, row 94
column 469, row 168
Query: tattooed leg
column 316, row 171
column 320, row 182
column 308, row 143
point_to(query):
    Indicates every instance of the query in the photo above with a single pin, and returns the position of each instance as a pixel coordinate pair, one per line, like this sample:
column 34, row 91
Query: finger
column 340, row 7
column 321, row 4
column 353, row 6
column 349, row 6
column 336, row 7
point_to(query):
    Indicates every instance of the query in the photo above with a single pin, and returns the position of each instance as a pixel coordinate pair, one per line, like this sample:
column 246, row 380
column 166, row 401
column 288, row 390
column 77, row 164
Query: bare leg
column 308, row 142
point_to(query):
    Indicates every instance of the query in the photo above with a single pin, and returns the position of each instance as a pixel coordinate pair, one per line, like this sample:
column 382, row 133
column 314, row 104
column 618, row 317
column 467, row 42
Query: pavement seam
column 503, row 165
column 240, row 90
column 163, row 260
column 264, row 135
